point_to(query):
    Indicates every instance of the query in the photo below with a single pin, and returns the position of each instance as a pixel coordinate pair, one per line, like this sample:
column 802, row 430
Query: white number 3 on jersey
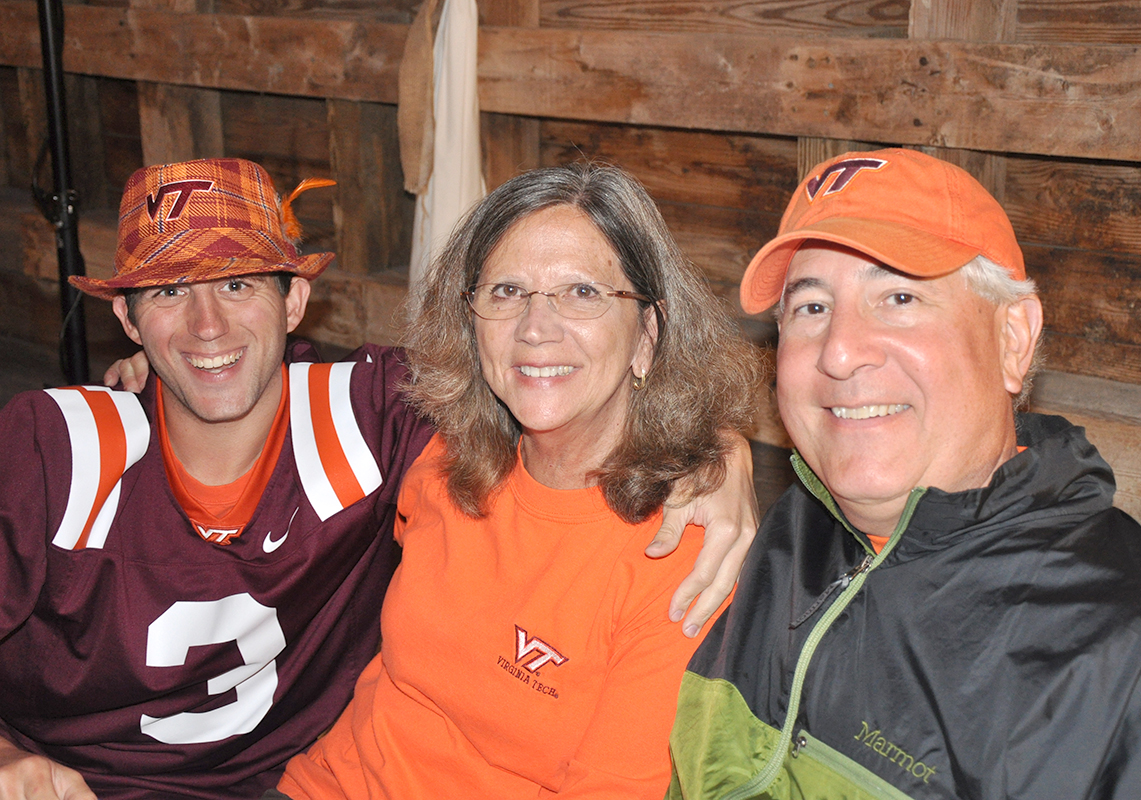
column 237, row 618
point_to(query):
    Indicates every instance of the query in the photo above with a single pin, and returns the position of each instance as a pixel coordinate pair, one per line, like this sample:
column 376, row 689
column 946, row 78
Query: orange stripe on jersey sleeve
column 332, row 454
column 112, row 452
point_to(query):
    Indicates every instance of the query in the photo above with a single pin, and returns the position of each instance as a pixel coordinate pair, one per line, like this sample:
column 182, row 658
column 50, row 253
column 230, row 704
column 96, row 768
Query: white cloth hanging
column 456, row 180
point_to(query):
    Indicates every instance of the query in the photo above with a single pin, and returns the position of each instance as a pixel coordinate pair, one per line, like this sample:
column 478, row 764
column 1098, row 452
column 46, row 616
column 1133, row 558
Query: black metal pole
column 73, row 336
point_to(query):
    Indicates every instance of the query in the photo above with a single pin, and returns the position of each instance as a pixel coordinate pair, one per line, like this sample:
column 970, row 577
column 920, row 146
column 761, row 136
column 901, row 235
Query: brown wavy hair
column 702, row 381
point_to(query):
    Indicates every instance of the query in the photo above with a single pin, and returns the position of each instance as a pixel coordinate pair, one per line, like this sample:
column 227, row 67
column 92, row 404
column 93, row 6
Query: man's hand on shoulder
column 26, row 776
column 730, row 517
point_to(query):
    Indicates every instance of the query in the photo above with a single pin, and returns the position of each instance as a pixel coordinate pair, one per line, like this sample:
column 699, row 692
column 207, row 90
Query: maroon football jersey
column 155, row 662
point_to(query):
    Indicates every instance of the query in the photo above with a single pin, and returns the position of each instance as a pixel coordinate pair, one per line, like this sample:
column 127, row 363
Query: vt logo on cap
column 844, row 172
column 907, row 210
column 182, row 189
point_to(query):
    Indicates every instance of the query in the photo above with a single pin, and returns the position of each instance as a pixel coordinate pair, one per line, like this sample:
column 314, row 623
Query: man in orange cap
column 949, row 605
column 192, row 578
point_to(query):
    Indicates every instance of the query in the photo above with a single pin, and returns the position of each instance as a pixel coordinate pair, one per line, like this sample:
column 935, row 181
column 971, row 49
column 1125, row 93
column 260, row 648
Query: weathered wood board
column 1079, row 21
column 1076, row 100
column 1075, row 204
column 865, row 18
column 753, row 173
column 1111, row 414
column 372, row 213
column 1079, row 101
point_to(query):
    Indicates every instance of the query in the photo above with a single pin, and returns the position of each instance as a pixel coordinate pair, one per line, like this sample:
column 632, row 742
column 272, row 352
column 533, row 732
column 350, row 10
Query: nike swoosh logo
column 269, row 544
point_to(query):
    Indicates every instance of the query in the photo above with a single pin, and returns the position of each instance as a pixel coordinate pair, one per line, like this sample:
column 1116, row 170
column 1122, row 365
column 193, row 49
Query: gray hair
column 995, row 284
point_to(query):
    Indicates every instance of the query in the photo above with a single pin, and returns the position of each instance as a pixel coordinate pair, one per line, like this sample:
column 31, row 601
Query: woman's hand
column 131, row 371
column 730, row 518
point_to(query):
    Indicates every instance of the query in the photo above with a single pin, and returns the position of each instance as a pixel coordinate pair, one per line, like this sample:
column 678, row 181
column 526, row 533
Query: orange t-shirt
column 525, row 654
column 220, row 513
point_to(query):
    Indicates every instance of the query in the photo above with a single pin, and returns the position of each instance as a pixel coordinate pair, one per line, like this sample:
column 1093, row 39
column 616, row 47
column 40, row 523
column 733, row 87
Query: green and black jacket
column 991, row 650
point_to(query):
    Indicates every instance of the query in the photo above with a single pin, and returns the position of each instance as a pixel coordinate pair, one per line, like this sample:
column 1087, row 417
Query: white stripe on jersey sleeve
column 86, row 461
column 84, row 438
column 360, row 458
column 135, row 425
column 313, row 478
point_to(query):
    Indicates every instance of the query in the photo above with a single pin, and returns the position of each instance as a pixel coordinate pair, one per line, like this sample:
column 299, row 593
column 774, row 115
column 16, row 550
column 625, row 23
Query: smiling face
column 566, row 381
column 887, row 382
column 217, row 346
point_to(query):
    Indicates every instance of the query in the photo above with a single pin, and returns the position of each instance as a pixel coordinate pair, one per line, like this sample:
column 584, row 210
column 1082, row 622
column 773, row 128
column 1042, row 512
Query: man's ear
column 296, row 301
column 1021, row 329
column 119, row 306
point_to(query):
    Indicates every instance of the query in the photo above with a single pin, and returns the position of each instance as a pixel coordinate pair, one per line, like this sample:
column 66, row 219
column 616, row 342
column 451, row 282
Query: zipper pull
column 840, row 583
column 861, row 567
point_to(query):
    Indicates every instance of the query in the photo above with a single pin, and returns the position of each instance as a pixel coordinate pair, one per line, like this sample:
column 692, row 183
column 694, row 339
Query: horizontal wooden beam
column 327, row 58
column 1067, row 393
column 1063, row 100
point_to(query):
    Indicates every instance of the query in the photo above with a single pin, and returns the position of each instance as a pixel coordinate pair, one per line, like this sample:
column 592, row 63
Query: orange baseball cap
column 201, row 221
column 909, row 211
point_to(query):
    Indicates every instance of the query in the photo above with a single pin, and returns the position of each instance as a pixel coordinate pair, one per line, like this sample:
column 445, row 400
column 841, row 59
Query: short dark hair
column 283, row 279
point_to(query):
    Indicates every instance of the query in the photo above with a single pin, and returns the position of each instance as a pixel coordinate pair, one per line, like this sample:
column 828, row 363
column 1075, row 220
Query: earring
column 640, row 381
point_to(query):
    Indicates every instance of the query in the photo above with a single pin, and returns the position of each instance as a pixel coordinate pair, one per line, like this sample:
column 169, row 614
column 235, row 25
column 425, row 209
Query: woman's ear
column 647, row 343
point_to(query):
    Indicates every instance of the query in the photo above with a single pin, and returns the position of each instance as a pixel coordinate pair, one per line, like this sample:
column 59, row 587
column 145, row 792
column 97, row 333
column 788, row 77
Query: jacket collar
column 1058, row 472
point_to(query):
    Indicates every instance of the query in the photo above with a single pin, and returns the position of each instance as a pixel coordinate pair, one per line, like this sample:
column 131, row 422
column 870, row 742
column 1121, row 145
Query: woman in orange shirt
column 576, row 367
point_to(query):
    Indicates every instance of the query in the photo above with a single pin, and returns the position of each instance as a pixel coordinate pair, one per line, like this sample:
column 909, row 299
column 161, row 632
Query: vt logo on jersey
column 844, row 171
column 181, row 191
column 220, row 535
column 532, row 653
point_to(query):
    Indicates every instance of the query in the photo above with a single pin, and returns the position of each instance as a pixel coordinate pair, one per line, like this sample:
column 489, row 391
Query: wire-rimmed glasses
column 583, row 300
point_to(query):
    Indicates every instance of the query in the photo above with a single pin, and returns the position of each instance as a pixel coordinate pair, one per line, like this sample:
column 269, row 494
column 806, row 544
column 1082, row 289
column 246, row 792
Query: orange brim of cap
column 199, row 271
column 912, row 252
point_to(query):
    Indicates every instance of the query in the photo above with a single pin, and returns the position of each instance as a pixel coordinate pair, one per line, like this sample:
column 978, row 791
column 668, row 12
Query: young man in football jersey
column 193, row 576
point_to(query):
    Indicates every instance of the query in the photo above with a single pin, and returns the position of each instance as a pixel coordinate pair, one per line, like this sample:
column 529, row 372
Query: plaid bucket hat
column 201, row 221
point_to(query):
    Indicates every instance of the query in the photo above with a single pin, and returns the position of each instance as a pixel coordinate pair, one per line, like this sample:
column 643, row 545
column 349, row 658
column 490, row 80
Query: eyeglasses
column 572, row 300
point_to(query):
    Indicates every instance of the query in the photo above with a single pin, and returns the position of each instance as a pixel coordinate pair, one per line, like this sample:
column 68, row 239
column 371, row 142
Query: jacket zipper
column 764, row 779
column 840, row 583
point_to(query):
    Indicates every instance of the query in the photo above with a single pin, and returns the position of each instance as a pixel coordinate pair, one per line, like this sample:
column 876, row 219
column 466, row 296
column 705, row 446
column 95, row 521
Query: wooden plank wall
column 719, row 106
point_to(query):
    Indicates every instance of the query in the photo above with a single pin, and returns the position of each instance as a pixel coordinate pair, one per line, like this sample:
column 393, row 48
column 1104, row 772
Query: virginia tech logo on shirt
column 531, row 654
column 219, row 535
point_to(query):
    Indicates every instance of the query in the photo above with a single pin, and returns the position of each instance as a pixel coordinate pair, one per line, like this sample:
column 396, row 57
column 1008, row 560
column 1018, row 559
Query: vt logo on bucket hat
column 201, row 221
column 181, row 191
